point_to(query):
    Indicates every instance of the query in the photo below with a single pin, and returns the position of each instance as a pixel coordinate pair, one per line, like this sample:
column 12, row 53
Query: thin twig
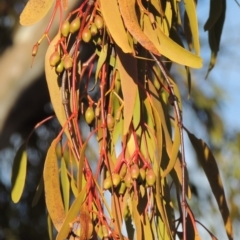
column 179, row 119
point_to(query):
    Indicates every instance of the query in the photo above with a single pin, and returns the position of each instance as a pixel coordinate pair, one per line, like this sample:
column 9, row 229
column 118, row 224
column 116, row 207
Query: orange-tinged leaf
column 65, row 185
column 128, row 12
column 209, row 165
column 53, row 88
column 34, row 11
column 167, row 47
column 52, row 187
column 72, row 213
column 19, row 173
column 113, row 20
column 127, row 66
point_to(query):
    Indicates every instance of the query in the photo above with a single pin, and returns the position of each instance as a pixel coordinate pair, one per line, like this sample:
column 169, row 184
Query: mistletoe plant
column 109, row 66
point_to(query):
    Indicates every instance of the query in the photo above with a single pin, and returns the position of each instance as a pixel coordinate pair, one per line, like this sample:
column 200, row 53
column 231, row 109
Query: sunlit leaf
column 52, row 187
column 128, row 12
column 38, row 192
column 136, row 217
column 209, row 165
column 101, row 59
column 34, row 11
column 167, row 47
column 127, row 67
column 113, row 20
column 192, row 16
column 50, row 227
column 53, row 87
column 19, row 173
column 80, row 167
column 72, row 213
column 65, row 185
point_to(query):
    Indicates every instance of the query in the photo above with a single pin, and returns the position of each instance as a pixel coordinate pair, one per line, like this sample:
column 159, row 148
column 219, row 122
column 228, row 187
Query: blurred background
column 211, row 112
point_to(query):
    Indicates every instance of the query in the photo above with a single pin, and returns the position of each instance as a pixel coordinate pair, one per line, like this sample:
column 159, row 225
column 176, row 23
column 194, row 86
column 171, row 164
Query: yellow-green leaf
column 65, row 184
column 128, row 12
column 50, row 227
column 193, row 21
column 34, row 11
column 127, row 66
column 167, row 47
column 52, row 187
column 53, row 87
column 72, row 213
column 101, row 60
column 19, row 173
column 80, row 167
column 113, row 20
column 74, row 188
column 209, row 165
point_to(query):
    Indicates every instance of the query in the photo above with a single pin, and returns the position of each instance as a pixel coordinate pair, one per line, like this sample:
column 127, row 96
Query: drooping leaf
column 127, row 67
column 72, row 213
column 38, row 192
column 113, row 20
column 214, row 26
column 34, row 11
column 193, row 21
column 65, row 185
column 19, row 173
column 53, row 88
column 80, row 167
column 50, row 227
column 167, row 47
column 136, row 217
column 128, row 12
column 74, row 188
column 53, row 196
column 209, row 165
column 101, row 60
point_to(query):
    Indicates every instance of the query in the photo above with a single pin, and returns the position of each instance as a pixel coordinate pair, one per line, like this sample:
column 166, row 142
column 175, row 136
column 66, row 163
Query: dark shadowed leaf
column 209, row 165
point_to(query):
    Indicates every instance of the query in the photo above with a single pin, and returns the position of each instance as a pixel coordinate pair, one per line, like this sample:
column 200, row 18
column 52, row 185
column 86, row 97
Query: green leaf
column 113, row 20
column 38, row 192
column 127, row 67
column 72, row 213
column 50, row 227
column 209, row 165
column 52, row 187
column 34, row 11
column 19, row 173
column 65, row 184
column 74, row 187
column 167, row 47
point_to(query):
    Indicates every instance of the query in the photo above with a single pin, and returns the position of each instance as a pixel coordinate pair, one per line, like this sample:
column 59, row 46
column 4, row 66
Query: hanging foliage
column 124, row 92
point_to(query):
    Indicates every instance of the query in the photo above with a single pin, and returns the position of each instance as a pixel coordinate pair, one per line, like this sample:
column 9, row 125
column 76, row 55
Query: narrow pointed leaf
column 113, row 20
column 65, row 185
column 19, row 173
column 127, row 67
column 34, row 11
column 209, row 165
column 52, row 187
column 72, row 213
column 167, row 47
column 53, row 87
column 193, row 21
